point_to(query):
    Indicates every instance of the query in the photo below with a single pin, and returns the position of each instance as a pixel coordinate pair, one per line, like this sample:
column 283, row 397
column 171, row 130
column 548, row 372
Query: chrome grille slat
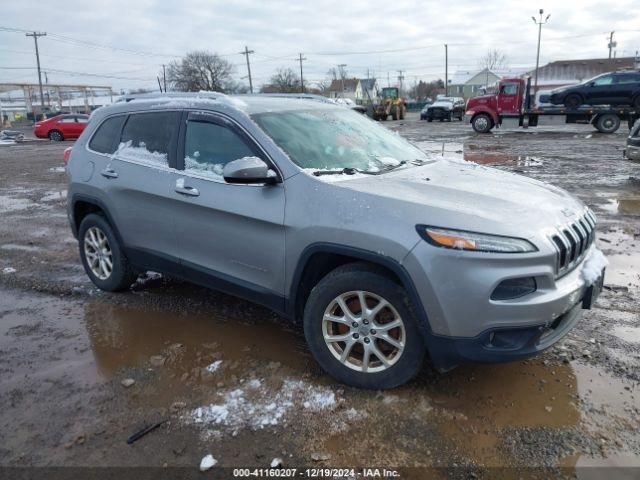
column 572, row 241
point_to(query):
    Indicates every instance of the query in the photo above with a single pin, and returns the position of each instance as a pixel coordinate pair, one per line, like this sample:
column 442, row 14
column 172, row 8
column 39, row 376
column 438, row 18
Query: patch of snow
column 23, row 248
column 593, row 265
column 255, row 407
column 8, row 270
column 141, row 155
column 214, row 366
column 207, row 462
column 10, row 204
column 58, row 169
column 52, row 196
column 209, row 170
column 7, row 142
column 276, row 463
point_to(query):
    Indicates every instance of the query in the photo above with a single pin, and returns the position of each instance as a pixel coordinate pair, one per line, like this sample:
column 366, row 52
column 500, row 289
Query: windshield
column 330, row 139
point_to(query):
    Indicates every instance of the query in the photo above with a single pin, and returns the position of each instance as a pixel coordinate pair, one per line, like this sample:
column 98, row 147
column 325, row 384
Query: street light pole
column 341, row 73
column 446, row 70
column 301, row 59
column 539, row 23
column 246, row 53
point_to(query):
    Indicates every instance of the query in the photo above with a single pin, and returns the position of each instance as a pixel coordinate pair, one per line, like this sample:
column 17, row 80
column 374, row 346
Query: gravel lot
column 82, row 370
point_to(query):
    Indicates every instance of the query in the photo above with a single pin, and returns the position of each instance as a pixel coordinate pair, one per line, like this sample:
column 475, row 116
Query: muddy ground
column 232, row 379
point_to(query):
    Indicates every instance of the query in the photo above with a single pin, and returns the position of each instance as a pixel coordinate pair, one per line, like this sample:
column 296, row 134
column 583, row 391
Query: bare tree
column 337, row 73
column 284, row 80
column 422, row 91
column 200, row 70
column 493, row 59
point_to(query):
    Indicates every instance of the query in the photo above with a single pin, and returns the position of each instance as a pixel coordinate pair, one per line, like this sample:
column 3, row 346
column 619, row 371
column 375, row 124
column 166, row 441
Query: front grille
column 439, row 112
column 572, row 242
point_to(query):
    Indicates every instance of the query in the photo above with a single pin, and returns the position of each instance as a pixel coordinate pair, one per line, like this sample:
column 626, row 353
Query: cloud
column 328, row 32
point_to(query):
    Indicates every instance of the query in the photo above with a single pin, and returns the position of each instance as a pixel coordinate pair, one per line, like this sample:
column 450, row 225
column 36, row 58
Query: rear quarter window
column 107, row 136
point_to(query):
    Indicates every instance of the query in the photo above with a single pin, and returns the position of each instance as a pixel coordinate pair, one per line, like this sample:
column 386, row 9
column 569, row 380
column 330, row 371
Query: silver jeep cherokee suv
column 383, row 253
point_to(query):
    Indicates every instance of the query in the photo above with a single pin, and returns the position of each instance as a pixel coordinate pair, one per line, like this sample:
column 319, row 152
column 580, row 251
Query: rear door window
column 210, row 146
column 149, row 137
column 107, row 136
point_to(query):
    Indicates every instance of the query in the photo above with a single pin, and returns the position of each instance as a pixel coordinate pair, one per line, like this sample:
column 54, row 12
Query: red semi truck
column 512, row 107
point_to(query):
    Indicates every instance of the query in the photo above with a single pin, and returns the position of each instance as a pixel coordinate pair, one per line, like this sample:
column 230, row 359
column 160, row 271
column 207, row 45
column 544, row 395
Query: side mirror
column 249, row 170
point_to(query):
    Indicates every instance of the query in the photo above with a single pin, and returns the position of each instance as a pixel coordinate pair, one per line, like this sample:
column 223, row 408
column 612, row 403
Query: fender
column 80, row 197
column 482, row 109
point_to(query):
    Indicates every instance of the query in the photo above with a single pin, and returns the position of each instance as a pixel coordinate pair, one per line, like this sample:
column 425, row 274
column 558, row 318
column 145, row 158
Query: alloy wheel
column 97, row 252
column 363, row 331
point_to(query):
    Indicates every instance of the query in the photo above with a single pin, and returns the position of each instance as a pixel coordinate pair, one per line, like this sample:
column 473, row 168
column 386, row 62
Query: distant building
column 360, row 90
column 569, row 72
column 470, row 83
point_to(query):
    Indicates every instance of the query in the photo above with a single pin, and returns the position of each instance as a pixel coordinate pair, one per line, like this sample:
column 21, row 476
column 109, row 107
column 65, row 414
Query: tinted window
column 82, row 119
column 209, row 147
column 147, row 137
column 606, row 80
column 67, row 120
column 107, row 137
column 628, row 78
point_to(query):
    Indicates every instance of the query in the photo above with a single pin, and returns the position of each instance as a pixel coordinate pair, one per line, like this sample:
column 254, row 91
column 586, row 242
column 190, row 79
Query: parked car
column 632, row 150
column 384, row 254
column 445, row 108
column 423, row 112
column 615, row 88
column 61, row 127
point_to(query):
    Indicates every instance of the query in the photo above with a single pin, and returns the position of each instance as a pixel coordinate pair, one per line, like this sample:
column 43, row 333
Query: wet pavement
column 82, row 370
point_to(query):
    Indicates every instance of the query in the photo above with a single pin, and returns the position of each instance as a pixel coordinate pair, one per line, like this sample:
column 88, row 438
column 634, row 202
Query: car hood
column 458, row 194
column 448, row 105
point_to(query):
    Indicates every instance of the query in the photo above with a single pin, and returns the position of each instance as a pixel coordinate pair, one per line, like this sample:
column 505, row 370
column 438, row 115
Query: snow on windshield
column 334, row 139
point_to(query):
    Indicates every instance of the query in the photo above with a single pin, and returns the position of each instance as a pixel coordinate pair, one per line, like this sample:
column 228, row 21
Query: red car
column 61, row 127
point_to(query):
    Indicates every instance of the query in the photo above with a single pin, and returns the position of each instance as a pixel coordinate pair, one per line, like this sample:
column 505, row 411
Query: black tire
column 573, row 100
column 482, row 123
column 122, row 273
column 402, row 112
column 56, row 136
column 349, row 278
column 607, row 123
column 429, row 119
column 394, row 112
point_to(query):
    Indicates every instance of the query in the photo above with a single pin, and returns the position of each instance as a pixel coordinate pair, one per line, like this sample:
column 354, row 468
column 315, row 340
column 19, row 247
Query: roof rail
column 152, row 95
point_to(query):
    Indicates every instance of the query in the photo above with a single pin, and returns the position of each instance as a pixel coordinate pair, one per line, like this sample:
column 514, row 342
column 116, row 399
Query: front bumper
column 464, row 324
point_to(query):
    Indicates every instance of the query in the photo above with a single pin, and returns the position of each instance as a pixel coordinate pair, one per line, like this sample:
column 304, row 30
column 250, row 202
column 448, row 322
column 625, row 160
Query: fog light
column 514, row 288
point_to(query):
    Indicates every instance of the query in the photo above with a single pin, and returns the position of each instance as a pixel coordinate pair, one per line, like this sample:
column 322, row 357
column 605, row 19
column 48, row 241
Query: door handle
column 183, row 189
column 109, row 173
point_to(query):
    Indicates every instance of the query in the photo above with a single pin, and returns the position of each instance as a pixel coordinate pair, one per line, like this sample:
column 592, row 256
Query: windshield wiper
column 342, row 171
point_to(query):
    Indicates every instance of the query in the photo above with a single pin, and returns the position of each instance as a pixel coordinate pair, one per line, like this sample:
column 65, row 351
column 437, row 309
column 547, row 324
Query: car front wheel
column 361, row 328
column 572, row 101
column 56, row 136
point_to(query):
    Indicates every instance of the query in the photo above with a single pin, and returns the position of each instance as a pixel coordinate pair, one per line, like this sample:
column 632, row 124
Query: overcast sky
column 141, row 35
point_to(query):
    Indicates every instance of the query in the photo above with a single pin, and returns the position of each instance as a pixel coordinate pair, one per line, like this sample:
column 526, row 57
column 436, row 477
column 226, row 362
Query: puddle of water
column 628, row 334
column 620, row 467
column 606, row 392
column 622, row 206
column 497, row 158
column 125, row 336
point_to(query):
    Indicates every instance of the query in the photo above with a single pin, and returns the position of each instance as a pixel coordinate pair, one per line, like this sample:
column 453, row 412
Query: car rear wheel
column 607, row 123
column 482, row 123
column 573, row 100
column 361, row 328
column 56, row 136
column 102, row 257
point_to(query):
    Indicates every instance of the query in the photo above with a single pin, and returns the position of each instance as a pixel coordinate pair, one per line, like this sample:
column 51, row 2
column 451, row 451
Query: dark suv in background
column 616, row 88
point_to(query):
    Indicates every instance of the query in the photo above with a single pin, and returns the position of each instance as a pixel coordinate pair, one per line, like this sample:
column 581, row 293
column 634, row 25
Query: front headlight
column 473, row 241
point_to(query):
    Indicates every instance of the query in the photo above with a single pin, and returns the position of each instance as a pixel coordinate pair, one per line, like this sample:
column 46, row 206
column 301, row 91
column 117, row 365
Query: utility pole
column 164, row 78
column 400, row 78
column 539, row 23
column 301, row 58
column 35, row 36
column 246, row 54
column 341, row 72
column 446, row 70
column 612, row 44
